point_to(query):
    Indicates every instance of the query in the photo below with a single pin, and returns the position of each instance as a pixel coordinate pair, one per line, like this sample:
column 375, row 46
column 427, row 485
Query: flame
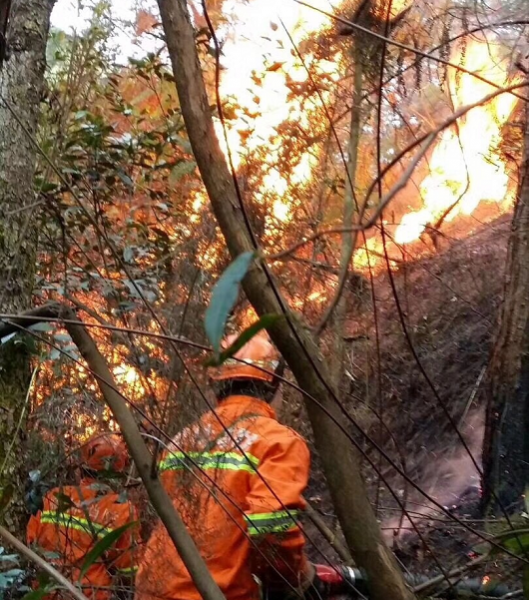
column 465, row 168
column 261, row 68
column 380, row 8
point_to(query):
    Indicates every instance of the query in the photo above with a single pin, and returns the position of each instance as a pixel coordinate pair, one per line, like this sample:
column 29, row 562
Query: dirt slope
column 450, row 302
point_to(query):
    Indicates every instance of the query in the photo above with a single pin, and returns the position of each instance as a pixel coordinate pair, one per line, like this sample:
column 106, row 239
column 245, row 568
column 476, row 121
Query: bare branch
column 401, row 184
column 406, row 47
column 298, row 348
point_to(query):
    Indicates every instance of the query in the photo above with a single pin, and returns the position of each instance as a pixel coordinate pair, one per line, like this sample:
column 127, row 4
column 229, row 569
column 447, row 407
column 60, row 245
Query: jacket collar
column 249, row 404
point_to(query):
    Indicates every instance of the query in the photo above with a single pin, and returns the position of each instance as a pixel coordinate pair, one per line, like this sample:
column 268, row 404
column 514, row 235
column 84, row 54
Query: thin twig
column 19, row 424
column 472, row 395
column 350, row 202
column 380, row 208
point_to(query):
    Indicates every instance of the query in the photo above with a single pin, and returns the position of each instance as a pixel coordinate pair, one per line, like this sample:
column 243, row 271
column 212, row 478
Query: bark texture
column 297, row 347
column 21, row 83
column 506, row 442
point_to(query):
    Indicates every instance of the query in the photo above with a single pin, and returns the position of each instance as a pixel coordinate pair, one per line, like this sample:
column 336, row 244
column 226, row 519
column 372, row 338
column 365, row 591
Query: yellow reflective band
column 128, row 570
column 231, row 461
column 265, row 364
column 65, row 519
column 275, row 522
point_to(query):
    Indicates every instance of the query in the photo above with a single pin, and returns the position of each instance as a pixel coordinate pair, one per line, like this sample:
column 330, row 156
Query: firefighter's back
column 207, row 474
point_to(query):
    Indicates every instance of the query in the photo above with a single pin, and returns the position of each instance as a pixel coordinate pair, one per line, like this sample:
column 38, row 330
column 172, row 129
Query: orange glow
column 397, row 6
column 261, row 68
column 465, row 168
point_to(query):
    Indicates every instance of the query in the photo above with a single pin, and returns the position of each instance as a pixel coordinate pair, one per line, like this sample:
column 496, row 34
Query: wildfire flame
column 465, row 168
column 261, row 67
column 380, row 8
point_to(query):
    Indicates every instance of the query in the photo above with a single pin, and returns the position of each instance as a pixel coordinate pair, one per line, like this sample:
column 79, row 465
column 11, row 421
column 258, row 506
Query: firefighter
column 75, row 517
column 237, row 477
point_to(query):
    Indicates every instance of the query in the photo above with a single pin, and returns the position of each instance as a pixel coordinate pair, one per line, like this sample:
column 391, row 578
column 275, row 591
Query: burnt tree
column 21, row 83
column 506, row 441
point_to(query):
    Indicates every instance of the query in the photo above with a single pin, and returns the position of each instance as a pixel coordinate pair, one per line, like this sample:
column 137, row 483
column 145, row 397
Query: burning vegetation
column 371, row 156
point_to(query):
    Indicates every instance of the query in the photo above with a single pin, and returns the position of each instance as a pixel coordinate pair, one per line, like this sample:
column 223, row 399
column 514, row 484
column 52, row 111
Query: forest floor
column 449, row 304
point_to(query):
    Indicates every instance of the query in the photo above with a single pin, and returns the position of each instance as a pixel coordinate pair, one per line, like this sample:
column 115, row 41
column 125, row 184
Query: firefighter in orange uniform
column 236, row 477
column 75, row 517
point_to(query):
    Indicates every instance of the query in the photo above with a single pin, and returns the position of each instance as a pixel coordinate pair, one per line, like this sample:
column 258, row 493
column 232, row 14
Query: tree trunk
column 348, row 491
column 506, row 442
column 343, row 292
column 21, row 83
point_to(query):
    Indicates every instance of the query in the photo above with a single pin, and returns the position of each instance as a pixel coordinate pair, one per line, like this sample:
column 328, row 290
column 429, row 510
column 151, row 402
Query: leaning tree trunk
column 340, row 462
column 21, row 83
column 506, row 442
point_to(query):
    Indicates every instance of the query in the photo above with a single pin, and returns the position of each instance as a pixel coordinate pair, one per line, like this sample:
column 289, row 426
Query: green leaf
column 183, row 143
column 518, row 544
column 6, row 339
column 103, row 545
column 482, row 549
column 223, row 298
column 125, row 178
column 48, row 187
column 516, row 540
column 13, row 573
column 62, row 337
column 181, row 169
column 264, row 322
column 128, row 254
column 37, row 594
column 47, row 326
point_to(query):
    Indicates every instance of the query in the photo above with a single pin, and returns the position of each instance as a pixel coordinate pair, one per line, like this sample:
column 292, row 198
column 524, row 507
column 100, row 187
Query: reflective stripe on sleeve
column 275, row 522
column 65, row 519
column 128, row 571
column 231, row 461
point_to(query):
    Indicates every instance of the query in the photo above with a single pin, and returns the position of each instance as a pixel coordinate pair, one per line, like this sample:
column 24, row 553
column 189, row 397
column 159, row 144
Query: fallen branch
column 439, row 579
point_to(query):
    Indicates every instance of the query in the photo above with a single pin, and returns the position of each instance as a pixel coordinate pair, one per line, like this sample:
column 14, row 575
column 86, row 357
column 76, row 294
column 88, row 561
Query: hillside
column 449, row 301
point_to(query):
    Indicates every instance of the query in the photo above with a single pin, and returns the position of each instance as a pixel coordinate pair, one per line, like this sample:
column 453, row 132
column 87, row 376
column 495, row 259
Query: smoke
column 449, row 477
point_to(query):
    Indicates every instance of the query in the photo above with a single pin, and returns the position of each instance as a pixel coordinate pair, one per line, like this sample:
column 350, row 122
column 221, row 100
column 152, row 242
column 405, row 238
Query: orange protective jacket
column 240, row 500
column 72, row 521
